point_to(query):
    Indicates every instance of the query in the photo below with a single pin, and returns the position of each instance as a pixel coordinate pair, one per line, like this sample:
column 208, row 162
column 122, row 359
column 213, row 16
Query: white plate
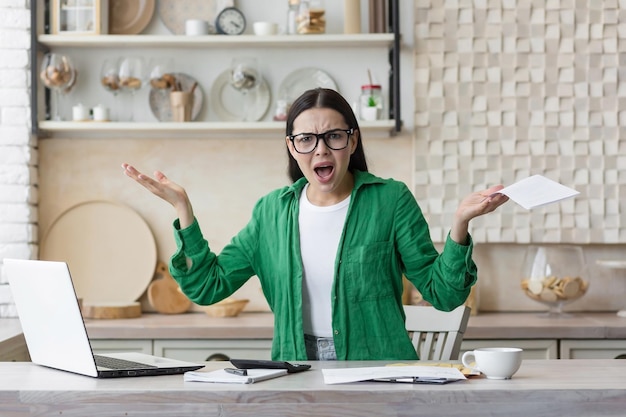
column 174, row 13
column 228, row 103
column 109, row 248
column 301, row 80
column 160, row 99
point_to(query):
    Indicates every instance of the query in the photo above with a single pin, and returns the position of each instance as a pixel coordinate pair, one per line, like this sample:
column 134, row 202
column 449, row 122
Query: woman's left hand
column 479, row 203
column 474, row 205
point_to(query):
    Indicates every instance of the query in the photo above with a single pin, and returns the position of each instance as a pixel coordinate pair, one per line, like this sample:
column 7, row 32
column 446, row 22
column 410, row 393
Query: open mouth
column 324, row 172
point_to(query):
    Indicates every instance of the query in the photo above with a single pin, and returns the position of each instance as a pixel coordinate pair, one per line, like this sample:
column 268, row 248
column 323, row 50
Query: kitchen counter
column 260, row 326
column 541, row 387
column 158, row 334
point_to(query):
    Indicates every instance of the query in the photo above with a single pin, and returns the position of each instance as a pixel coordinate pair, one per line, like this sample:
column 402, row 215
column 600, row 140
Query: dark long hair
column 328, row 99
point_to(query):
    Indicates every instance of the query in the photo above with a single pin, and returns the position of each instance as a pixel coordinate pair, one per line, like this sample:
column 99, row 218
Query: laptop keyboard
column 114, row 363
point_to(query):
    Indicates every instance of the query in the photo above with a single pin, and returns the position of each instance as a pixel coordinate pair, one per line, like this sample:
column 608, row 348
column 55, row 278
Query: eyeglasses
column 336, row 139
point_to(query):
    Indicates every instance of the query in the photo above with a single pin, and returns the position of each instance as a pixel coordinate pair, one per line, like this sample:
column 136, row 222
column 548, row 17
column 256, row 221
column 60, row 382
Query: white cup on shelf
column 100, row 113
column 265, row 28
column 196, row 27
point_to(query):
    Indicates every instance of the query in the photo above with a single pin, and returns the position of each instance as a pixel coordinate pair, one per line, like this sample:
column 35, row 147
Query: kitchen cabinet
column 533, row 349
column 192, row 350
column 593, row 349
column 372, row 48
column 122, row 345
column 202, row 350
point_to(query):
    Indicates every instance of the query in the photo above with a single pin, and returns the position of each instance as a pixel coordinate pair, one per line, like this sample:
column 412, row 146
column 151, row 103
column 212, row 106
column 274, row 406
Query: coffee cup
column 495, row 363
column 196, row 27
column 265, row 28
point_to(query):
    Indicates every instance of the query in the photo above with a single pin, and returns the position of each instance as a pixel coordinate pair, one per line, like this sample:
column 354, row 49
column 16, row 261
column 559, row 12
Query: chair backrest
column 437, row 335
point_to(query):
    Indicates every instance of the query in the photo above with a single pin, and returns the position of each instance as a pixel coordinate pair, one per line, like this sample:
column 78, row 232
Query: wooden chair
column 437, row 335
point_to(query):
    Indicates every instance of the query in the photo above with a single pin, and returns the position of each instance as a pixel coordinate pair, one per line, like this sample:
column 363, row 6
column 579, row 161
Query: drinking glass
column 57, row 74
column 132, row 74
column 110, row 80
column 245, row 76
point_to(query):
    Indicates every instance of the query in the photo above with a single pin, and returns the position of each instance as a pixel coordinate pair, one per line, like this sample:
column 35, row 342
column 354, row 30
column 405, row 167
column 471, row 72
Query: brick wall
column 18, row 151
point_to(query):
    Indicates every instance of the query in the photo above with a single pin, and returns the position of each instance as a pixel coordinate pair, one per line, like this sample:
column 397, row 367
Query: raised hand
column 474, row 205
column 162, row 187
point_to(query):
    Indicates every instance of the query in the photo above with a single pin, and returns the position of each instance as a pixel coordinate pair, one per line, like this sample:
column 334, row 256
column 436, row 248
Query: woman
column 331, row 249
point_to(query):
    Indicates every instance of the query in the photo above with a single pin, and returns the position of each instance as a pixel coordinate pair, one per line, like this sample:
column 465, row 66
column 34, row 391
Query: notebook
column 55, row 332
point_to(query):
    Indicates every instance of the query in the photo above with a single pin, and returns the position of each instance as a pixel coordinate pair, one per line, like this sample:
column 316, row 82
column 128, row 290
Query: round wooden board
column 109, row 248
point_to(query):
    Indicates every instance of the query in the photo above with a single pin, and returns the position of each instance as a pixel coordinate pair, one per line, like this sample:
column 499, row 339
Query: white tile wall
column 18, row 154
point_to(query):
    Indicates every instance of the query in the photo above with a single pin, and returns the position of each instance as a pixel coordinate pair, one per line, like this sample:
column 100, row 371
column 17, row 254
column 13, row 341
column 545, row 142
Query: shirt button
column 336, row 331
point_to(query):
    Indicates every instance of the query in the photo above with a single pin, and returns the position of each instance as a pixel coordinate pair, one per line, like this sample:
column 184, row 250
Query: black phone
column 266, row 364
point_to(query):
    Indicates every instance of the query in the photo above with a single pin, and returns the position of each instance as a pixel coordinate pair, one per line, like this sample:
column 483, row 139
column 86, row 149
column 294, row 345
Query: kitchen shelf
column 56, row 128
column 364, row 40
column 45, row 42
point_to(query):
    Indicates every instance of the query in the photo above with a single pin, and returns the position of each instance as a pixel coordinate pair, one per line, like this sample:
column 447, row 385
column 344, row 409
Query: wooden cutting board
column 164, row 293
column 111, row 311
column 109, row 248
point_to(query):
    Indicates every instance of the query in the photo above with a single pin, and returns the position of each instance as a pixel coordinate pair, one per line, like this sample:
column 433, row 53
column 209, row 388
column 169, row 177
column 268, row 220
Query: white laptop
column 55, row 332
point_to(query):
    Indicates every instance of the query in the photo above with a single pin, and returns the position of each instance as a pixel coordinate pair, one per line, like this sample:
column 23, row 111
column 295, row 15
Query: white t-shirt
column 320, row 231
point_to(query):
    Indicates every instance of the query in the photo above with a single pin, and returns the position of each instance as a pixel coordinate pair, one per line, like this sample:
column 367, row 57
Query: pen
column 240, row 372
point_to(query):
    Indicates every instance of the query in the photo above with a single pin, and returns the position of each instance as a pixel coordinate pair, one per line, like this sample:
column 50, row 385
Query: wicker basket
column 228, row 307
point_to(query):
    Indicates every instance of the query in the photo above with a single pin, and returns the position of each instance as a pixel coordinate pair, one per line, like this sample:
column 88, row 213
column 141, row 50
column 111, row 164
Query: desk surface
column 541, row 387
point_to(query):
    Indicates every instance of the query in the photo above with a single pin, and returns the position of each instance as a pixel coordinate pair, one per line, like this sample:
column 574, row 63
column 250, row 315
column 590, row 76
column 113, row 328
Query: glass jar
column 311, row 17
column 371, row 102
column 292, row 16
column 554, row 275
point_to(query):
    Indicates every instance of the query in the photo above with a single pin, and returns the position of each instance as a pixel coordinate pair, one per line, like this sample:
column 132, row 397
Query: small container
column 292, row 16
column 282, row 107
column 100, row 113
column 311, row 18
column 80, row 113
column 371, row 102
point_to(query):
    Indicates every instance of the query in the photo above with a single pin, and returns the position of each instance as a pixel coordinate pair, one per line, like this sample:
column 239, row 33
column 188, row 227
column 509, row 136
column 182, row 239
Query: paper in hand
column 536, row 191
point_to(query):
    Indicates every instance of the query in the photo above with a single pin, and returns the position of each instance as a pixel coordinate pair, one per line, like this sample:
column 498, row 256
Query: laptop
column 55, row 332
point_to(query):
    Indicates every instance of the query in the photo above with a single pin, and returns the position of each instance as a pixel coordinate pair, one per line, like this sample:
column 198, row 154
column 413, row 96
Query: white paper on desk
column 346, row 375
column 537, row 191
column 223, row 377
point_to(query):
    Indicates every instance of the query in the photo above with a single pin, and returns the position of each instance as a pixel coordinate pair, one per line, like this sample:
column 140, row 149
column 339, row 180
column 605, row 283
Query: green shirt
column 385, row 236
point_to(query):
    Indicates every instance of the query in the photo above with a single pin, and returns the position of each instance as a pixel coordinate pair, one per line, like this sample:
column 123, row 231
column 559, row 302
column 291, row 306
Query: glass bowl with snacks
column 554, row 276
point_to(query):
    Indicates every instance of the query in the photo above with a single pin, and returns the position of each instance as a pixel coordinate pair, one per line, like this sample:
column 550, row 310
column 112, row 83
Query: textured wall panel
column 505, row 89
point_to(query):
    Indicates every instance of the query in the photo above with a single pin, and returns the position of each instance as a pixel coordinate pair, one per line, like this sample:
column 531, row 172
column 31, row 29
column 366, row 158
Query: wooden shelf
column 365, row 40
column 160, row 129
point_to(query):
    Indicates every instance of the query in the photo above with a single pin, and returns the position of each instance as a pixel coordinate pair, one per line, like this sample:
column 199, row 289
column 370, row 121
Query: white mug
column 495, row 363
column 196, row 27
column 265, row 28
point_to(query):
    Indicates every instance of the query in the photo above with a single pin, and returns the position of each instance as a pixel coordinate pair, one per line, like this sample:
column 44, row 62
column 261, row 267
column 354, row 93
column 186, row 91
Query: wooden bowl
column 228, row 307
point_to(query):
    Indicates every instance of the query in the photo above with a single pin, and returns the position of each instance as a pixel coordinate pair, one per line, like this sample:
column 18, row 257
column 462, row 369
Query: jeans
column 320, row 348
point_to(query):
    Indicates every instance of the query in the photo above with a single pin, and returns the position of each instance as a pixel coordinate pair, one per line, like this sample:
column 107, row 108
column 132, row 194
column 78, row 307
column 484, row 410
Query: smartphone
column 265, row 364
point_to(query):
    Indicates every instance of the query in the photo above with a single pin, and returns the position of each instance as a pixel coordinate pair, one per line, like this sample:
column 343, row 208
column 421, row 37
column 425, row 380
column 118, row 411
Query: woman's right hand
column 168, row 190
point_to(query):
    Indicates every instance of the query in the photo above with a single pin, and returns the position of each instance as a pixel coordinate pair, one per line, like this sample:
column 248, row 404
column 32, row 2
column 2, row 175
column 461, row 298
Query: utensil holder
column 182, row 105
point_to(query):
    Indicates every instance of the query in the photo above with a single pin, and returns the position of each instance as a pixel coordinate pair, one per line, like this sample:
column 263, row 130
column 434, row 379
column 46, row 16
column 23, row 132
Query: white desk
column 540, row 388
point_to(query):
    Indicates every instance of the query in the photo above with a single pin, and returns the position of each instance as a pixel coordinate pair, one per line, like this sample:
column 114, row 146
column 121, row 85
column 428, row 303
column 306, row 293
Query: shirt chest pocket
column 369, row 271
